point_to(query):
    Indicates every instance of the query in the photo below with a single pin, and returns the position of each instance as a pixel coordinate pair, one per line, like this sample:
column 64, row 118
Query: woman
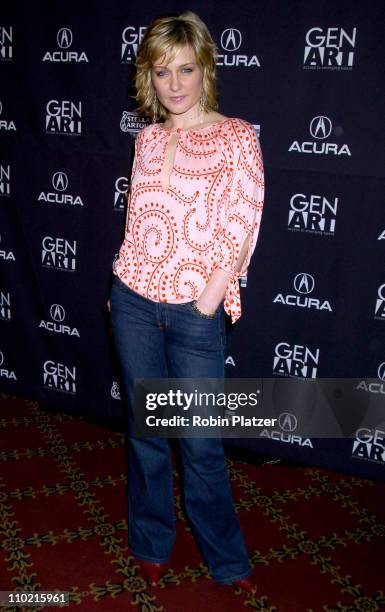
column 192, row 223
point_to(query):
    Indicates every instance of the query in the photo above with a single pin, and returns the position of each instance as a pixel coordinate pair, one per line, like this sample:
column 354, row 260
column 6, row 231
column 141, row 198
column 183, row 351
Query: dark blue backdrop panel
column 308, row 76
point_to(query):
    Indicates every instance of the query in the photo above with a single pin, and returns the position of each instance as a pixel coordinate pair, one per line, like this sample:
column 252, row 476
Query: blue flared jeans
column 159, row 340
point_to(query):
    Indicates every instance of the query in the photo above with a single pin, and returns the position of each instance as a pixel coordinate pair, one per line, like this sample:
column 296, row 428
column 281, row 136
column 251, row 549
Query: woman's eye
column 187, row 70
column 161, row 73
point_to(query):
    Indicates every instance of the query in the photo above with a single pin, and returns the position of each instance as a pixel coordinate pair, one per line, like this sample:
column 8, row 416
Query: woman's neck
column 175, row 122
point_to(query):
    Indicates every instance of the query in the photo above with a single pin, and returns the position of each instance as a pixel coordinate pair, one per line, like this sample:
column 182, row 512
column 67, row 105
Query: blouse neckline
column 189, row 130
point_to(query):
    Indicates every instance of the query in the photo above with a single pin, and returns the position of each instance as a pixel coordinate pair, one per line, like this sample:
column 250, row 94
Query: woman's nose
column 174, row 84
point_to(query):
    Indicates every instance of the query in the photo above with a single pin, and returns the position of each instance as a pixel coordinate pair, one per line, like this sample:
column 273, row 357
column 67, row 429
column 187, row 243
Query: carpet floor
column 316, row 538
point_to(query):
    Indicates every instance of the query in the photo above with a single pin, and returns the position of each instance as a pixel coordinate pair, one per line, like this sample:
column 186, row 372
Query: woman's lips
column 177, row 98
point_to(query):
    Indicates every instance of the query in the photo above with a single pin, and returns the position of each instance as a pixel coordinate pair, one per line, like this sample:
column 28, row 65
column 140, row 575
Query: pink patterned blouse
column 177, row 232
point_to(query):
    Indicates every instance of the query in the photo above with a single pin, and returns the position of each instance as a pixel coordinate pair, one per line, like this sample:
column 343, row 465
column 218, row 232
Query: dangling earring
column 202, row 102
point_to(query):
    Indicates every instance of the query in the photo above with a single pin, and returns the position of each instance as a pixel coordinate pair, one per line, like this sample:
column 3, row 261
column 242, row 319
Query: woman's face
column 178, row 84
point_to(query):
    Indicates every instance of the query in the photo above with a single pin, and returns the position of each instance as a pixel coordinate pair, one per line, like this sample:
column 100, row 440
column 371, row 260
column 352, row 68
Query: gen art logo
column 303, row 285
column 132, row 122
column 63, row 117
column 131, row 37
column 231, row 42
column 313, row 213
column 5, row 306
column 288, row 424
column 59, row 183
column 295, row 360
column 369, row 444
column 5, row 180
column 63, row 54
column 379, row 312
column 59, row 377
column 320, row 129
column 5, row 124
column 329, row 48
column 120, row 193
column 6, row 49
column 58, row 254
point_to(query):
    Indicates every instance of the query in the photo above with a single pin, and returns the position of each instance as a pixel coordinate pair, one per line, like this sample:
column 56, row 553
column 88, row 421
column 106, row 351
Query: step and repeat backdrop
column 309, row 76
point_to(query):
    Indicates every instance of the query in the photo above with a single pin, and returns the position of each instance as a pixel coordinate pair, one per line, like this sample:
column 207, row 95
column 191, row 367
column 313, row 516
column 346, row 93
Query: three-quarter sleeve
column 243, row 214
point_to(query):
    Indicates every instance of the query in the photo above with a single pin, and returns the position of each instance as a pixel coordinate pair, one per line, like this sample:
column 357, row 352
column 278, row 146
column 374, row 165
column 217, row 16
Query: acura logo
column 64, row 38
column 304, row 283
column 287, row 421
column 57, row 313
column 231, row 39
column 1, row 358
column 320, row 127
column 381, row 371
column 60, row 181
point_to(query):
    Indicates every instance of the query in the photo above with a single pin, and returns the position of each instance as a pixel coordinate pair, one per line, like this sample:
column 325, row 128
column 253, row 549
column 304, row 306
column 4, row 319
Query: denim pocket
column 200, row 315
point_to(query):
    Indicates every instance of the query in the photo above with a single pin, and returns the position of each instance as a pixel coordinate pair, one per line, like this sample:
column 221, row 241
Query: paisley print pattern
column 175, row 236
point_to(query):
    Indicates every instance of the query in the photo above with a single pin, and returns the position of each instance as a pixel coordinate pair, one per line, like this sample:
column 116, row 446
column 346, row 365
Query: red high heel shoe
column 246, row 584
column 152, row 571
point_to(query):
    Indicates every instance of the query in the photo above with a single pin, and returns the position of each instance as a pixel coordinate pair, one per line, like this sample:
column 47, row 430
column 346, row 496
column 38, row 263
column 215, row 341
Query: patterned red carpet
column 316, row 538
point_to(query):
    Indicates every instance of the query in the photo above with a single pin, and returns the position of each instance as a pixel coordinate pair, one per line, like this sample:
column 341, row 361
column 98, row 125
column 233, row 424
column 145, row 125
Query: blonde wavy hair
column 165, row 37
